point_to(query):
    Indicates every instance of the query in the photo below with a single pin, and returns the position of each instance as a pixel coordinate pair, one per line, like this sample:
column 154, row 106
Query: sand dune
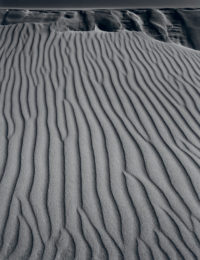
column 180, row 26
column 100, row 145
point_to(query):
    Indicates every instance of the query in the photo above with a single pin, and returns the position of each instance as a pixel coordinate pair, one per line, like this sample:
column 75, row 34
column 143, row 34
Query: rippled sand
column 99, row 144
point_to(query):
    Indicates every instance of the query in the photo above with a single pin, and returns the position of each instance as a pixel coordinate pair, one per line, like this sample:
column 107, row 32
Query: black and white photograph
column 99, row 130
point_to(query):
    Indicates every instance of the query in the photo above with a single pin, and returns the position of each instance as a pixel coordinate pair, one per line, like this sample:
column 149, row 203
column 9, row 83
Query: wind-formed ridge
column 180, row 26
column 100, row 146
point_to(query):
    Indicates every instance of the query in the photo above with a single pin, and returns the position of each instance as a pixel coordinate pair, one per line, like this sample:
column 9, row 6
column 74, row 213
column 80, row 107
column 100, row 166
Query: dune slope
column 100, row 146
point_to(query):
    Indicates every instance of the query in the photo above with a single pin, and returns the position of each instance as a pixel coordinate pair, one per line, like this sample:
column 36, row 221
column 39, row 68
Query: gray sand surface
column 99, row 145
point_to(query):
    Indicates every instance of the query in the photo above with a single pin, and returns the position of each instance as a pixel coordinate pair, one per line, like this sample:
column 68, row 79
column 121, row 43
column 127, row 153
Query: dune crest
column 180, row 26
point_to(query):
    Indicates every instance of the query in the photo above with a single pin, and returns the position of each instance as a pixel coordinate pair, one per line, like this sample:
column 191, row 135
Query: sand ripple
column 100, row 146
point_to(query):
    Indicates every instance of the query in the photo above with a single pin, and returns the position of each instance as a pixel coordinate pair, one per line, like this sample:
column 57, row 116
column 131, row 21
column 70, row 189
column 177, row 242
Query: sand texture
column 99, row 145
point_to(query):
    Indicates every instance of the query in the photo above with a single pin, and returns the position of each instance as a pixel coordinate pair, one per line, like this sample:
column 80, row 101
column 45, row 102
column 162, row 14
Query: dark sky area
column 76, row 4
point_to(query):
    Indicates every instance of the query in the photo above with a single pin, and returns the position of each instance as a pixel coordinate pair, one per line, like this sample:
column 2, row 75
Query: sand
column 99, row 145
column 180, row 26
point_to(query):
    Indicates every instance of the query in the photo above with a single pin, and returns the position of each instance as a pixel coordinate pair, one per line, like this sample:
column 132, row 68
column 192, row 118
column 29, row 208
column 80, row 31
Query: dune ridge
column 180, row 26
column 100, row 146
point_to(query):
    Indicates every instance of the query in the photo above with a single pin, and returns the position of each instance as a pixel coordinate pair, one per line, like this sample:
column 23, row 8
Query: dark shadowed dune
column 191, row 21
column 99, row 135
column 177, row 25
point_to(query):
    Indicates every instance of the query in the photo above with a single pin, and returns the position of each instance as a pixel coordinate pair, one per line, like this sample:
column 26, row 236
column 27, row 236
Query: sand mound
column 100, row 145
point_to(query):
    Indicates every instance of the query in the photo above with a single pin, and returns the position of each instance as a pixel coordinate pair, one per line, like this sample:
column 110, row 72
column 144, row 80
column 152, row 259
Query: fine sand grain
column 99, row 145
